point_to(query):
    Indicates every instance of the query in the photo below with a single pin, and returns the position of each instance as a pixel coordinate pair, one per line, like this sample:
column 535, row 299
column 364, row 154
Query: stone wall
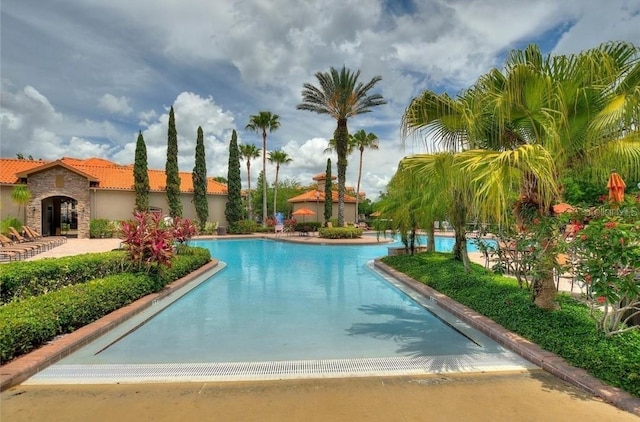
column 58, row 181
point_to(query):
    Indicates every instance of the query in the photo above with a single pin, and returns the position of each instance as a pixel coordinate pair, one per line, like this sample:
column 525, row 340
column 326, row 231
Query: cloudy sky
column 80, row 78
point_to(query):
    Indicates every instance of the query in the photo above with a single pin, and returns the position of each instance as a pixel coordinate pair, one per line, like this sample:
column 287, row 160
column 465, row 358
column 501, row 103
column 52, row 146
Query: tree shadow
column 420, row 334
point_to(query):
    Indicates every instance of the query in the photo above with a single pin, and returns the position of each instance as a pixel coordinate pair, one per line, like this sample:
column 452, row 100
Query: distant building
column 314, row 200
column 74, row 191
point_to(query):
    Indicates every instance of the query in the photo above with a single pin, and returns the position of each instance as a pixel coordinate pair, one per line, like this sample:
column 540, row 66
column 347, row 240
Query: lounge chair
column 8, row 255
column 34, row 235
column 22, row 249
column 23, row 240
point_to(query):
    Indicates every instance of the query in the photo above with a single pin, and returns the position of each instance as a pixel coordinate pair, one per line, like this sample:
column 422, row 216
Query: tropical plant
column 249, row 152
column 341, row 96
column 260, row 123
column 524, row 128
column 233, row 208
column 21, row 195
column 608, row 260
column 279, row 157
column 149, row 244
column 199, row 177
column 362, row 141
column 171, row 168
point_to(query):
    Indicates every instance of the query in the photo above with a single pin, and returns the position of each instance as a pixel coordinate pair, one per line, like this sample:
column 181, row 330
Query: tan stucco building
column 74, row 191
column 314, row 200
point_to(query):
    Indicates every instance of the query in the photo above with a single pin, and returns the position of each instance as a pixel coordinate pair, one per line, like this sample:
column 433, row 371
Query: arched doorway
column 59, row 216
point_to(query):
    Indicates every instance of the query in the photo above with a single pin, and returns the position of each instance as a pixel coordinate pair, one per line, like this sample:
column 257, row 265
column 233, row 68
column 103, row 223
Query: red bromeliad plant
column 147, row 242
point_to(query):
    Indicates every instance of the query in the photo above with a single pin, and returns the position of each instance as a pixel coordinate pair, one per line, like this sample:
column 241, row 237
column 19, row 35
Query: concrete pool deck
column 351, row 398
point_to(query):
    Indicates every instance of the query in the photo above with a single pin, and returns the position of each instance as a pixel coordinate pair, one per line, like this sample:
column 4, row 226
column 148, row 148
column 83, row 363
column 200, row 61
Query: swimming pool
column 283, row 305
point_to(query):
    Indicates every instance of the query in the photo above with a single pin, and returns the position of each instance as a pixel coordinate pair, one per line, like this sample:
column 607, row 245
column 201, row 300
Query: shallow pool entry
column 283, row 310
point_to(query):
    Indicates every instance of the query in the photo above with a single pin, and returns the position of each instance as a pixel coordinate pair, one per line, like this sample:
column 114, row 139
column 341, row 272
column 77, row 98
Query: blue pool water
column 286, row 301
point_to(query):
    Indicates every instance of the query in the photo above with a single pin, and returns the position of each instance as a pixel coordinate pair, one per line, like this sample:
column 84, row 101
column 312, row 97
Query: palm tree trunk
column 249, row 190
column 459, row 223
column 275, row 190
column 341, row 135
column 358, row 185
column 264, row 176
column 431, row 238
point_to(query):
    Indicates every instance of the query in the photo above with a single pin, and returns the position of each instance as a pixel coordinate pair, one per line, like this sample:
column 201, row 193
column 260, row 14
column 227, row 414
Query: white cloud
column 115, row 105
column 252, row 55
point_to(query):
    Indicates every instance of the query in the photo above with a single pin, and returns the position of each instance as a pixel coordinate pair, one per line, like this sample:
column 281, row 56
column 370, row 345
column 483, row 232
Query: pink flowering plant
column 608, row 263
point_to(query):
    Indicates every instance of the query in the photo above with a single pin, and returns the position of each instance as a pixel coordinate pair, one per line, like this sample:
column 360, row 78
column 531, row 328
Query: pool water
column 310, row 309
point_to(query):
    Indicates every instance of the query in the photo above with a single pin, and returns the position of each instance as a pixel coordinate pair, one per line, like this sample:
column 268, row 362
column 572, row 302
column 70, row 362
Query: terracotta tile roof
column 109, row 175
column 323, row 176
column 310, row 196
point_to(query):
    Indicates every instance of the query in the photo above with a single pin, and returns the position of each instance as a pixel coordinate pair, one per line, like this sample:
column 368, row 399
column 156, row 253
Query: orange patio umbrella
column 303, row 212
column 616, row 188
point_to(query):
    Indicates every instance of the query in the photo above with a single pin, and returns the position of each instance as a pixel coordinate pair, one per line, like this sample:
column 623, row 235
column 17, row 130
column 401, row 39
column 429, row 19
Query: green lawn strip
column 568, row 332
column 28, row 323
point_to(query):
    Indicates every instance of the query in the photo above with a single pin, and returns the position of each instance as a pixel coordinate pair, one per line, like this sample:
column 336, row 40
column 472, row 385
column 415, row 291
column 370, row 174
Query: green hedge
column 568, row 332
column 340, row 232
column 29, row 323
column 22, row 279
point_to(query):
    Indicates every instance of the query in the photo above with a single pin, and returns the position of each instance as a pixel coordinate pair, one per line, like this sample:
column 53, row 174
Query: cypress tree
column 199, row 176
column 141, row 175
column 233, row 210
column 173, row 176
column 328, row 197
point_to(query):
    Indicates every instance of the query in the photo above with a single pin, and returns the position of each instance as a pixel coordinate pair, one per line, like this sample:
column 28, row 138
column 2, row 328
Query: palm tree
column 260, row 123
column 528, row 126
column 362, row 140
column 279, row 157
column 21, row 195
column 341, row 96
column 249, row 151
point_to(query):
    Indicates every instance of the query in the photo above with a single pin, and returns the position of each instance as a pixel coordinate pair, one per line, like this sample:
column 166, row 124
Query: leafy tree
column 258, row 201
column 249, row 152
column 199, row 177
column 328, row 196
column 141, row 175
column 233, row 209
column 362, row 141
column 173, row 175
column 279, row 157
column 340, row 96
column 220, row 179
column 260, row 123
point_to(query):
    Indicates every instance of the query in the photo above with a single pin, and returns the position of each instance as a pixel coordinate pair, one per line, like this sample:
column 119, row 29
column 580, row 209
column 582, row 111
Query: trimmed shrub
column 569, row 332
column 340, row 232
column 243, row 227
column 101, row 228
column 23, row 279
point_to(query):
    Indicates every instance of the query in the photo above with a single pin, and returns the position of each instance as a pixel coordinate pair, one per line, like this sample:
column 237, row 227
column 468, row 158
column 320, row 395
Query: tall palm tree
column 249, row 152
column 362, row 140
column 341, row 96
column 260, row 123
column 530, row 124
column 279, row 157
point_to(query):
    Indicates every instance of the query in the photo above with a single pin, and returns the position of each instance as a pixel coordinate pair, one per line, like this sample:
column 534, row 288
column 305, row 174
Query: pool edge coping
column 548, row 361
